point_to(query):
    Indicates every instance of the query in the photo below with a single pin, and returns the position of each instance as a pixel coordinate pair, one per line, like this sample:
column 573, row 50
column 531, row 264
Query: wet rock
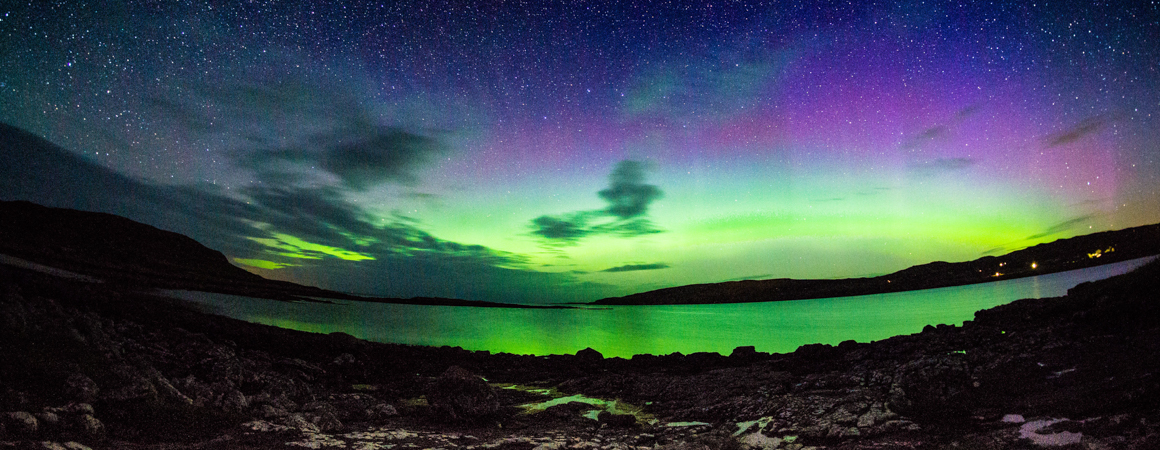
column 20, row 423
column 460, row 395
column 81, row 388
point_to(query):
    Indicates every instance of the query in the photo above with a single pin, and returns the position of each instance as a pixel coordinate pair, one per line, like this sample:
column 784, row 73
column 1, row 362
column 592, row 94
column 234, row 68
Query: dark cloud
column 994, row 251
column 628, row 194
column 636, row 267
column 562, row 229
column 360, row 158
column 1062, row 226
column 1078, row 131
column 629, row 198
column 297, row 127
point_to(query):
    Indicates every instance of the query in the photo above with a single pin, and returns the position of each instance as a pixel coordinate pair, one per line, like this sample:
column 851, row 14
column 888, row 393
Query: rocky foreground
column 91, row 365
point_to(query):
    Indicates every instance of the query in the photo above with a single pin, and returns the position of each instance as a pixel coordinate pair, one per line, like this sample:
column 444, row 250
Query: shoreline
column 116, row 369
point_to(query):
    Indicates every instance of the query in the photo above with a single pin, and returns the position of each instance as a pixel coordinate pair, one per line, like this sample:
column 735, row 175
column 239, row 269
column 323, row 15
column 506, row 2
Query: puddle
column 1030, row 430
column 598, row 404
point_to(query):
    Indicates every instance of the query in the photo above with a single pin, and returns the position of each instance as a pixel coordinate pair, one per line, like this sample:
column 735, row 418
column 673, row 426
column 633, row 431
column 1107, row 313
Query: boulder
column 459, row 395
column 48, row 420
column 89, row 426
column 79, row 387
column 382, row 411
column 616, row 420
column 20, row 423
column 233, row 402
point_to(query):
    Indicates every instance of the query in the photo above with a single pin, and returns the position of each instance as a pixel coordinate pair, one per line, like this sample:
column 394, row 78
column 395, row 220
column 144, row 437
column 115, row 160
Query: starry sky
column 572, row 150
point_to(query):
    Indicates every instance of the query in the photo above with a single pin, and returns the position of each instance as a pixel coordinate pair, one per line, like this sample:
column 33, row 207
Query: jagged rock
column 81, row 388
column 589, row 354
column 20, row 423
column 233, row 402
column 461, row 395
column 268, row 411
column 745, row 352
column 325, row 420
column 165, row 389
column 842, row 416
column 135, row 388
column 349, row 367
column 199, row 392
column 874, row 416
column 936, row 388
column 299, row 368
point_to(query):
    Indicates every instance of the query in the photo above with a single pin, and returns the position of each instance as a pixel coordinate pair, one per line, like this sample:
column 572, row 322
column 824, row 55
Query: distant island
column 120, row 251
column 1062, row 255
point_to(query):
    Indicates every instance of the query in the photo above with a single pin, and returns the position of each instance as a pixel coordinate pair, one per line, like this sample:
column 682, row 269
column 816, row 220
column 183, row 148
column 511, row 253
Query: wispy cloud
column 1076, row 132
column 637, row 267
column 941, row 165
column 1062, row 226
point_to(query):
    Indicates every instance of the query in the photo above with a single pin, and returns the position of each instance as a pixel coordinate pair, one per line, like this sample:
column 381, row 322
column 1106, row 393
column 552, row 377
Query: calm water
column 628, row 330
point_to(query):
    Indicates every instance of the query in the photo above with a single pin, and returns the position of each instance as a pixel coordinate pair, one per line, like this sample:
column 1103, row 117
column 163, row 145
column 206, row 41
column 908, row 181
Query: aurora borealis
column 568, row 151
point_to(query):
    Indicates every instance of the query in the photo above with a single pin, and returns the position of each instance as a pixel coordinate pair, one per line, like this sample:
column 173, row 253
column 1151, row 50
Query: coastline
column 121, row 369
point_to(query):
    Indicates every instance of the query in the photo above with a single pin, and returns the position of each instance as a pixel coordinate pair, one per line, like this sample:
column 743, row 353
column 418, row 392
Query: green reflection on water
column 624, row 331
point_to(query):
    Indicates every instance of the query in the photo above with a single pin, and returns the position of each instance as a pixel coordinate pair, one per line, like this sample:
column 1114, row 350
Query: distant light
column 1034, row 265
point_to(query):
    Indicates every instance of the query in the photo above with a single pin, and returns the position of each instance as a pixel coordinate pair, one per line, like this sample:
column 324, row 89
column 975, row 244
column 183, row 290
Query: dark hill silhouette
column 124, row 252
column 1062, row 255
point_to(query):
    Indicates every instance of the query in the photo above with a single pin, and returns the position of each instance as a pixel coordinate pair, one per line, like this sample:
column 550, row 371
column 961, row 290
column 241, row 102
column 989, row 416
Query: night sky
column 569, row 151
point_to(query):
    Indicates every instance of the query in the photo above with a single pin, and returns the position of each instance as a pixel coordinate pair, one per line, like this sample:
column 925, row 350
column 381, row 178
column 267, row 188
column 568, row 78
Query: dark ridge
column 1062, row 255
column 124, row 252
